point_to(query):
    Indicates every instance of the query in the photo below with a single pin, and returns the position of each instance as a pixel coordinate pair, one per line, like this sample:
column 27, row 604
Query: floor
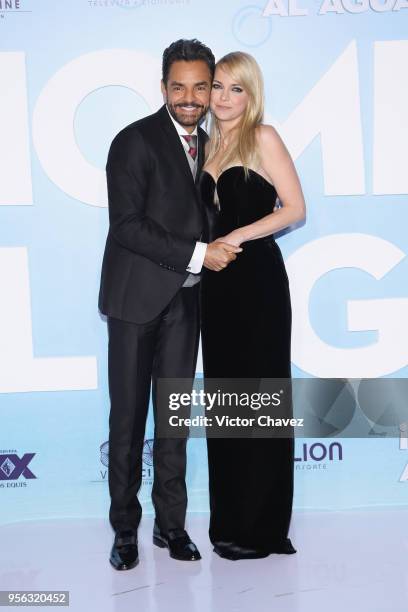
column 346, row 561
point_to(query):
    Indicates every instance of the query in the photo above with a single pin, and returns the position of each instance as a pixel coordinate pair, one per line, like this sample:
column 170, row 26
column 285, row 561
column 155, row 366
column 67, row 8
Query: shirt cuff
column 197, row 260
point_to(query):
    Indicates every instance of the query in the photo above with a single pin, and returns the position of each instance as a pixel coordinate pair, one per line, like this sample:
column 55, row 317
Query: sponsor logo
column 104, row 448
column 147, row 470
column 147, row 458
column 134, row 4
column 317, row 456
column 14, row 470
column 8, row 7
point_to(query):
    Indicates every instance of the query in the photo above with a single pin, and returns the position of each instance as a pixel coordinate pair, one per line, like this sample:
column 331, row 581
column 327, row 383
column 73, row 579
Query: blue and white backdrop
column 72, row 74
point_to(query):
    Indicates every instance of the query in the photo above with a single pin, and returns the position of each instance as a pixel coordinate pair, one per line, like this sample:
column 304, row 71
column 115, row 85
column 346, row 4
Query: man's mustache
column 180, row 104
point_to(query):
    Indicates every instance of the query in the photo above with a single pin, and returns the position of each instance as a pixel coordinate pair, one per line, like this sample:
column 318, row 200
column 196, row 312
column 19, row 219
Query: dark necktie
column 191, row 140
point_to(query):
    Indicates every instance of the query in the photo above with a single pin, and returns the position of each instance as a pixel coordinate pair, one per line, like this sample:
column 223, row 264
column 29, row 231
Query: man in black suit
column 149, row 291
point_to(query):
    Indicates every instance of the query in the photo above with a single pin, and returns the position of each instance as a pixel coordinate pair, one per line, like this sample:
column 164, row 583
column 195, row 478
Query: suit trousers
column 138, row 356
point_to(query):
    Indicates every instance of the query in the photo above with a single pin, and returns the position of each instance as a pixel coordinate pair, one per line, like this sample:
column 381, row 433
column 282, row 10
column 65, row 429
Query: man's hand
column 219, row 254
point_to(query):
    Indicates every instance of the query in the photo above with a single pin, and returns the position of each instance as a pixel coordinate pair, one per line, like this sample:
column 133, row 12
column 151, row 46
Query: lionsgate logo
column 147, row 458
column 318, row 456
column 14, row 470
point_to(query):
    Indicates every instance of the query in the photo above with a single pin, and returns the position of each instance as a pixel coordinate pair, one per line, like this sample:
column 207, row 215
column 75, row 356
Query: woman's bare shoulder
column 267, row 135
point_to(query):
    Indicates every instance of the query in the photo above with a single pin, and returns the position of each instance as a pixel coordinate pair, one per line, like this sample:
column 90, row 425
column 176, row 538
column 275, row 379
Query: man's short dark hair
column 188, row 51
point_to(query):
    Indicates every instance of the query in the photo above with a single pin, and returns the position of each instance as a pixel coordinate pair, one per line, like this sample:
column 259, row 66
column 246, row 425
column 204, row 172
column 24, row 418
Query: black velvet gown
column 246, row 333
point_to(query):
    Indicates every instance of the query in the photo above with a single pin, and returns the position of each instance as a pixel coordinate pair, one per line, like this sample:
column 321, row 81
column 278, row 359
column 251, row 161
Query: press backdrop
column 72, row 74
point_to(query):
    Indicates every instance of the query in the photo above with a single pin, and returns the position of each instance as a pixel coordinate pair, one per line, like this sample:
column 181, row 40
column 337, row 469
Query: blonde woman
column 246, row 309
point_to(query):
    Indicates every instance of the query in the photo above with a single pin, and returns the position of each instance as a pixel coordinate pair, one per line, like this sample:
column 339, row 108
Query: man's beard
column 184, row 119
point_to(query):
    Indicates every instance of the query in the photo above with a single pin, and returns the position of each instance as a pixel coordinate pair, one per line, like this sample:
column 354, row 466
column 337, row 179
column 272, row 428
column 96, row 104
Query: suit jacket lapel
column 175, row 146
column 200, row 152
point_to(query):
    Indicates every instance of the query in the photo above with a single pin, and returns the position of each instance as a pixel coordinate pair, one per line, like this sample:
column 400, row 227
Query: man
column 149, row 291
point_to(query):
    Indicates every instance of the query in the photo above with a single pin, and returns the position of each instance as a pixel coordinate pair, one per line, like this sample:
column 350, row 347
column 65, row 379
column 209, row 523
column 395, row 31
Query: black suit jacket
column 155, row 219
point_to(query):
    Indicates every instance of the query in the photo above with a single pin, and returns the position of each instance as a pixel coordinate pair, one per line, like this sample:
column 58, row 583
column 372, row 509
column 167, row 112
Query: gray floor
column 346, row 561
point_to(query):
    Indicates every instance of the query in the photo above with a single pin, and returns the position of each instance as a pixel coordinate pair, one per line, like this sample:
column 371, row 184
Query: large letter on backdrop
column 390, row 117
column 19, row 370
column 54, row 114
column 15, row 167
column 387, row 316
column 332, row 109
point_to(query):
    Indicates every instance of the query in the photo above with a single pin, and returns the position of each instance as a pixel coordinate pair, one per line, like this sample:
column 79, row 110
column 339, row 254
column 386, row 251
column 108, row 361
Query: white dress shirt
column 197, row 259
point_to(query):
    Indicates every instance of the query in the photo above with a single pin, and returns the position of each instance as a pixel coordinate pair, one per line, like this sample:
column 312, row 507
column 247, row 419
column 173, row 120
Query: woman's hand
column 234, row 238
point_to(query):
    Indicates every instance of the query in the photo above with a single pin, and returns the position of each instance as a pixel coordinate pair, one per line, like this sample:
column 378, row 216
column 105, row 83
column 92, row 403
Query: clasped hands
column 222, row 251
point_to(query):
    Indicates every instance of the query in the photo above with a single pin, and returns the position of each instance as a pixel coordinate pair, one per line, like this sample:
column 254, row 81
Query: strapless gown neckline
column 216, row 181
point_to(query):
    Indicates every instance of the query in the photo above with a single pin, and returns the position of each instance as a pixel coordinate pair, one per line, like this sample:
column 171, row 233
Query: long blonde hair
column 245, row 70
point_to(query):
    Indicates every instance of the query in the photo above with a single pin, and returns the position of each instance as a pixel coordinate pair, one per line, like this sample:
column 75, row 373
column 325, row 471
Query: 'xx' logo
column 11, row 467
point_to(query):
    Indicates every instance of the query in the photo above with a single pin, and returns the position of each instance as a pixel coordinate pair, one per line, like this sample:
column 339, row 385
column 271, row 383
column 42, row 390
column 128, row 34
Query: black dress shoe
column 286, row 548
column 178, row 542
column 124, row 554
column 234, row 552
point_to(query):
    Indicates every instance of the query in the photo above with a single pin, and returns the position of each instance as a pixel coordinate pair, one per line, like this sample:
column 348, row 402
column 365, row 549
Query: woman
column 246, row 311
